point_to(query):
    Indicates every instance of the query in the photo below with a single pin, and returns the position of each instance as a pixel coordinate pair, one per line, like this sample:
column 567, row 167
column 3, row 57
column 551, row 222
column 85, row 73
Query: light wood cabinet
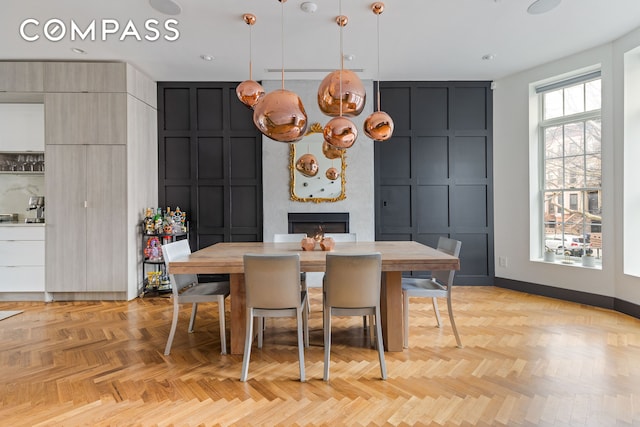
column 85, row 77
column 86, row 228
column 101, row 148
column 21, row 76
column 86, row 118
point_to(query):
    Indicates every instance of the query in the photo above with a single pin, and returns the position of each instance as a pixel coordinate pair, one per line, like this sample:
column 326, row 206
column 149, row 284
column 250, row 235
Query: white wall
column 515, row 145
column 359, row 173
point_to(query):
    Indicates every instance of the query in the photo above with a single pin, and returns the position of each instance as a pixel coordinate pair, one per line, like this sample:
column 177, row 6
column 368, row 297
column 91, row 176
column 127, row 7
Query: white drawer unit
column 22, row 259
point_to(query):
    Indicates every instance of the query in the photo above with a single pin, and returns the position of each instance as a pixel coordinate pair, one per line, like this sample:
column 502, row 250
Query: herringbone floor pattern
column 527, row 361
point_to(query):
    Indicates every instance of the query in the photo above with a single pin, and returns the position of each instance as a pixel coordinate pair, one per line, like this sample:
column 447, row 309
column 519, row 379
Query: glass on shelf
column 22, row 162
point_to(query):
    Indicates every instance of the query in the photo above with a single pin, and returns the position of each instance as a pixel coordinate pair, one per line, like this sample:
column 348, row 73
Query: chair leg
column 247, row 345
column 260, row 327
column 192, row 321
column 405, row 319
column 172, row 332
column 453, row 323
column 327, row 341
column 223, row 328
column 305, row 322
column 383, row 365
column 434, row 300
column 301, row 339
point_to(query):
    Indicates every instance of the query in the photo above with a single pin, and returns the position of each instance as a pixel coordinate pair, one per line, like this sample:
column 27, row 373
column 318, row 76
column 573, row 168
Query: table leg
column 238, row 309
column 391, row 310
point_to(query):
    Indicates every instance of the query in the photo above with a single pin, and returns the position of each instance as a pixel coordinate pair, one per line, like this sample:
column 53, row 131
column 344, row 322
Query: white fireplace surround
column 359, row 202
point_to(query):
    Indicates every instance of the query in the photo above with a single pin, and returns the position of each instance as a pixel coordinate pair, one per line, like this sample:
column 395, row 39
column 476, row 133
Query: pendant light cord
column 378, row 91
column 282, row 39
column 250, row 55
column 341, row 54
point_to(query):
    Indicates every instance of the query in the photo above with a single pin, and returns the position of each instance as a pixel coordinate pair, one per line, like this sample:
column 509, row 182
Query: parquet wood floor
column 527, row 361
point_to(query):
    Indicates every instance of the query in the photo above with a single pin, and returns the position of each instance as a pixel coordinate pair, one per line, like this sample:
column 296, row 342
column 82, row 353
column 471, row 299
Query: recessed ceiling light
column 309, row 7
column 168, row 7
column 78, row 50
column 207, row 57
column 488, row 57
column 542, row 6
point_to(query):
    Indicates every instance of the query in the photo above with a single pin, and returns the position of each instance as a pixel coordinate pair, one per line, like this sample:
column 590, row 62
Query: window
column 570, row 132
column 573, row 201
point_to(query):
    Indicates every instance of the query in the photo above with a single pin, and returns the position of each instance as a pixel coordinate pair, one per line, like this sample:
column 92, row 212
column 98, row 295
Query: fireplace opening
column 308, row 222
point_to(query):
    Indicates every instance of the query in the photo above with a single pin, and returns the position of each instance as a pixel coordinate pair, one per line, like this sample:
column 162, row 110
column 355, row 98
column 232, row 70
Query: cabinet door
column 85, row 118
column 21, row 76
column 66, row 228
column 21, row 127
column 84, row 77
column 106, row 218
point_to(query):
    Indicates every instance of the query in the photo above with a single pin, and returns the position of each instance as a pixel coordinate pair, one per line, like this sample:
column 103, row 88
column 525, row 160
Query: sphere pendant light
column 249, row 91
column 280, row 114
column 379, row 125
column 340, row 132
column 341, row 92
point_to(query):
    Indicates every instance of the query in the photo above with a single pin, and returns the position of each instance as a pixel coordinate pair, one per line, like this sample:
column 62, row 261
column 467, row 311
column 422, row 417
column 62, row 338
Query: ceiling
column 419, row 39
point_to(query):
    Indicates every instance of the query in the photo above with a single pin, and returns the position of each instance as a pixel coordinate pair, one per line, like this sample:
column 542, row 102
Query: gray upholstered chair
column 352, row 288
column 186, row 289
column 438, row 286
column 272, row 285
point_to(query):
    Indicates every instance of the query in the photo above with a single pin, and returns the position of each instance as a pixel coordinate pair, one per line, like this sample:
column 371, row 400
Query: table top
column 396, row 256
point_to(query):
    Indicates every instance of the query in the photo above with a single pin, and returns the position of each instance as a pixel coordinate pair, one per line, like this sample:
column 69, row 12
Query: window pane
column 593, row 95
column 592, row 134
column 553, row 141
column 573, row 139
column 594, row 171
column 552, row 102
column 574, row 99
column 553, row 173
column 551, row 218
column 574, row 172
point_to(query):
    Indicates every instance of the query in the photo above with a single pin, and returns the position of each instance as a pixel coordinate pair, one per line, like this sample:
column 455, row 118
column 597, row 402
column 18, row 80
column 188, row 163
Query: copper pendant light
column 332, row 174
column 341, row 92
column 379, row 125
column 249, row 91
column 340, row 132
column 331, row 152
column 307, row 165
column 280, row 114
column 351, row 97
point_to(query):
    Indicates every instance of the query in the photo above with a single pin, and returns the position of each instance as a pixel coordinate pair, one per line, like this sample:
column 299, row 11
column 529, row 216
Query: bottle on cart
column 148, row 223
column 157, row 221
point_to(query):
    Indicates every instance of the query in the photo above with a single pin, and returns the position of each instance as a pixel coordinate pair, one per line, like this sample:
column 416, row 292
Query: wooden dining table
column 397, row 257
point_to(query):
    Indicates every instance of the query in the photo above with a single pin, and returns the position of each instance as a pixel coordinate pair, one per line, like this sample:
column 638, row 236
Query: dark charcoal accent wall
column 434, row 176
column 570, row 295
column 210, row 161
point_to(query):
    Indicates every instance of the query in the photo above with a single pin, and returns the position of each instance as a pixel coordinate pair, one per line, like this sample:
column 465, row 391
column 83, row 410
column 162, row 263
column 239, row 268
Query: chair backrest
column 171, row 252
column 289, row 238
column 342, row 237
column 272, row 281
column 450, row 247
column 353, row 280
